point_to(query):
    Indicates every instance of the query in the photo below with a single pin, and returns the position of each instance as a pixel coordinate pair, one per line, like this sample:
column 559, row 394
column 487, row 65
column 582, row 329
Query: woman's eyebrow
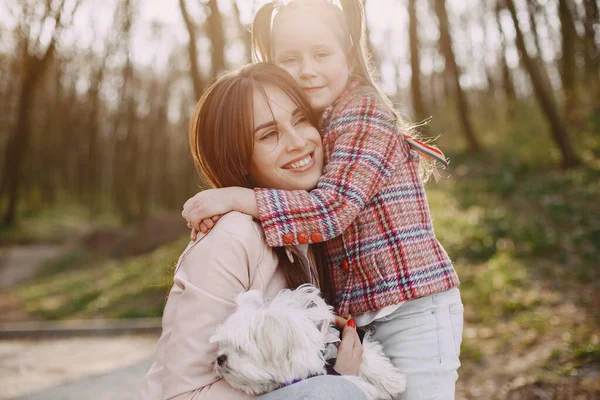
column 269, row 124
column 265, row 125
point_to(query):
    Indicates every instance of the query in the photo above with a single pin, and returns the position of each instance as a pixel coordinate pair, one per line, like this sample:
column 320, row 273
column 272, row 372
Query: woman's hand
column 350, row 350
column 200, row 209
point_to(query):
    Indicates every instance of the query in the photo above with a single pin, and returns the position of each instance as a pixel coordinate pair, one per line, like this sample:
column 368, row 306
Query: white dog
column 265, row 345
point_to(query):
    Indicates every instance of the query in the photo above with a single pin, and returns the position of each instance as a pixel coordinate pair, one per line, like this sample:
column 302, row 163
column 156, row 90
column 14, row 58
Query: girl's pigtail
column 355, row 19
column 261, row 33
column 430, row 155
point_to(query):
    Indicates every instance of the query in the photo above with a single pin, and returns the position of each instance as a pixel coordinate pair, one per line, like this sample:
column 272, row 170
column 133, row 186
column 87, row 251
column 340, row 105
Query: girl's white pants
column 422, row 338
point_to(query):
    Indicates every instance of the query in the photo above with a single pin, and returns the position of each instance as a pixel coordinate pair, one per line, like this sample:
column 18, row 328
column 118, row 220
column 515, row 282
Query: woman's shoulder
column 238, row 225
column 235, row 235
column 233, row 230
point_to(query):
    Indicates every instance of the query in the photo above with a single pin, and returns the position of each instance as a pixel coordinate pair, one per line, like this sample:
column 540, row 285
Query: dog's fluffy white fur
column 267, row 344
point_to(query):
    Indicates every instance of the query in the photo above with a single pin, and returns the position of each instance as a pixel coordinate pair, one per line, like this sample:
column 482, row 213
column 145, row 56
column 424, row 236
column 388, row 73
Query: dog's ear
column 313, row 305
column 251, row 298
column 308, row 296
column 320, row 316
column 217, row 337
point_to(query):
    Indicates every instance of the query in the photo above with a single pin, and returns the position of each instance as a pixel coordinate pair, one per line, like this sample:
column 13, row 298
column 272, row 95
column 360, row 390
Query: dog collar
column 292, row 382
column 298, row 380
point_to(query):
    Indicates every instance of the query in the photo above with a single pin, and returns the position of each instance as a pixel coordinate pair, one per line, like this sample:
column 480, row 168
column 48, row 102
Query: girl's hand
column 350, row 350
column 205, row 226
column 214, row 202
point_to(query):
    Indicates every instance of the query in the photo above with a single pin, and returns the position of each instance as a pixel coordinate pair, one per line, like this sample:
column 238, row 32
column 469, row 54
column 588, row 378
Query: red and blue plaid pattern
column 370, row 207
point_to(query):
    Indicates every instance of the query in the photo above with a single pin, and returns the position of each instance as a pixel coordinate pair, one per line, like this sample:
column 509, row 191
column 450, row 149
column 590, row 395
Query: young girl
column 387, row 269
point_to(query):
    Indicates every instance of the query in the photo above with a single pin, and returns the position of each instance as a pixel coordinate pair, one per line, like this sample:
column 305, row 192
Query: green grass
column 53, row 225
column 134, row 287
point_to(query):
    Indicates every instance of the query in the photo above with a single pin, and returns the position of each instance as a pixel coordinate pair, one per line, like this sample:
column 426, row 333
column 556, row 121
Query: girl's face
column 288, row 153
column 312, row 53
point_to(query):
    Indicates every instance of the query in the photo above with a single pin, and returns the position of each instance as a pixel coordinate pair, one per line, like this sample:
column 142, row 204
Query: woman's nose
column 295, row 140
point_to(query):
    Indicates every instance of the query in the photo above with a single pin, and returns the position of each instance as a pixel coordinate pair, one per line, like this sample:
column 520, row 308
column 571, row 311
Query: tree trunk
column 17, row 149
column 569, row 40
column 192, row 51
column 592, row 53
column 544, row 96
column 20, row 141
column 216, row 33
column 53, row 147
column 488, row 101
column 454, row 72
column 415, row 62
column 507, row 83
column 18, row 146
column 125, row 163
column 244, row 32
column 9, row 107
column 534, row 8
column 93, row 153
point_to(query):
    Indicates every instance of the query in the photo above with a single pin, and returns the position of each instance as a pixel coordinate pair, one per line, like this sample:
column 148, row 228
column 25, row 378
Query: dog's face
column 263, row 346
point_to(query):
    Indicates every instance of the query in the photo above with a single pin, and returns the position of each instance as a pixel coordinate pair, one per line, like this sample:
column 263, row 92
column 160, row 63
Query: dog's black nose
column 222, row 359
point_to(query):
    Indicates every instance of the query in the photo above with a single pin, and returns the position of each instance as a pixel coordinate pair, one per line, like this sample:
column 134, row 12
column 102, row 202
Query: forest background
column 95, row 166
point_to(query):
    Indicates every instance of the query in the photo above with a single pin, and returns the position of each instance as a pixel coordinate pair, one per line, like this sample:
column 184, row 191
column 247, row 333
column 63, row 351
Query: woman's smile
column 301, row 164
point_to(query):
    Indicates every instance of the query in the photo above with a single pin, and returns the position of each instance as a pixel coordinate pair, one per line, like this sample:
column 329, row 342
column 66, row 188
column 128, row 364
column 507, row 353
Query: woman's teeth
column 301, row 163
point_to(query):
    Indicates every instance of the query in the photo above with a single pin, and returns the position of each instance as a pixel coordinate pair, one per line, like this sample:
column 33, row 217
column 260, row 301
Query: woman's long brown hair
column 222, row 140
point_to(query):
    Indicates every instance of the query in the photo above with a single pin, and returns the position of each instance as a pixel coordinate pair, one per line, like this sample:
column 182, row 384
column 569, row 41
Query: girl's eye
column 321, row 54
column 289, row 60
column 269, row 135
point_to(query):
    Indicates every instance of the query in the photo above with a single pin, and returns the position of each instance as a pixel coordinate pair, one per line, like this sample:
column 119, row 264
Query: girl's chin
column 318, row 105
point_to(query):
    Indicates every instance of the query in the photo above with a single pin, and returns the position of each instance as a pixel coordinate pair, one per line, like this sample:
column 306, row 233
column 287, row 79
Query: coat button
column 316, row 237
column 345, row 265
column 303, row 238
column 288, row 238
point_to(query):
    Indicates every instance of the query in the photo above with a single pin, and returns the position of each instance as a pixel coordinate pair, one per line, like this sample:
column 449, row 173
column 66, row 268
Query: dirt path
column 18, row 263
column 74, row 368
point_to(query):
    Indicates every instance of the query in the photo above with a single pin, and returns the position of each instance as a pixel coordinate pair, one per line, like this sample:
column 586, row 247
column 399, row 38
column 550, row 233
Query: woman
column 253, row 127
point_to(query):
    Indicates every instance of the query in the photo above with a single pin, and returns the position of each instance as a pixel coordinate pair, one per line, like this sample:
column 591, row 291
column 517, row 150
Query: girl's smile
column 311, row 90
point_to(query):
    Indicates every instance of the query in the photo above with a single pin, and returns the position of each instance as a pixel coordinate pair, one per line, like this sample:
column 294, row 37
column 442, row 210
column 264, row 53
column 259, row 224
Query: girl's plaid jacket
column 370, row 207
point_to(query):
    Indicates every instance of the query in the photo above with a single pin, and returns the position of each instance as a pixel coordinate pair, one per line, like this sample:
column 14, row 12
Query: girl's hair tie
column 279, row 4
